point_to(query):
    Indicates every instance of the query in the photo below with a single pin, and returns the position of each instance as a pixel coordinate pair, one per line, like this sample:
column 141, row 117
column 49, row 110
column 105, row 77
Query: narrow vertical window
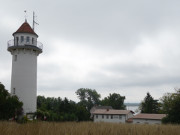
column 15, row 57
column 111, row 116
column 27, row 39
column 22, row 39
column 32, row 40
column 17, row 40
column 107, row 116
column 102, row 116
column 96, row 116
column 14, row 91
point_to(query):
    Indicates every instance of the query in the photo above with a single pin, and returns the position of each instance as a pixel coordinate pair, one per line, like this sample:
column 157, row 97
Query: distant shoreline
column 132, row 104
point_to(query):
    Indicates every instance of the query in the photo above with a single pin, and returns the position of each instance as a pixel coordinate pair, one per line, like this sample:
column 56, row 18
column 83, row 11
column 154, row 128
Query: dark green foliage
column 149, row 105
column 82, row 113
column 115, row 100
column 88, row 97
column 10, row 106
column 171, row 107
column 56, row 109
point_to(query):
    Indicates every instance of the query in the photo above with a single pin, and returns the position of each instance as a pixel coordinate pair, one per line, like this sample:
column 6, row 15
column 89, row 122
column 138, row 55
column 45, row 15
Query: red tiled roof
column 149, row 116
column 111, row 111
column 25, row 28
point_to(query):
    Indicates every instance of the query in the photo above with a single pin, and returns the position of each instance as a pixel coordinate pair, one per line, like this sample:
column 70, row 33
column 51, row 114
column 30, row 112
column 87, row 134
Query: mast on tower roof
column 25, row 16
column 34, row 22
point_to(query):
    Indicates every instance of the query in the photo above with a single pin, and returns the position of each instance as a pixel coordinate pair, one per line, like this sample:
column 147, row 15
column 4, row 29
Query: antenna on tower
column 25, row 16
column 34, row 22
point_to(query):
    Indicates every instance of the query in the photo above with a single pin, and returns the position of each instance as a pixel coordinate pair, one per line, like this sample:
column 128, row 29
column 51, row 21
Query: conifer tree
column 149, row 105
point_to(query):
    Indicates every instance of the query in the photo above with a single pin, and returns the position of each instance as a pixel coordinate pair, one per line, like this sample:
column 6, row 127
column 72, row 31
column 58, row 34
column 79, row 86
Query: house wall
column 130, row 115
column 146, row 121
column 107, row 118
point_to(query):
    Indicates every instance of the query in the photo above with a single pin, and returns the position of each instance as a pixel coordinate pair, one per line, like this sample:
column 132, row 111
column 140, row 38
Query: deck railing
column 37, row 44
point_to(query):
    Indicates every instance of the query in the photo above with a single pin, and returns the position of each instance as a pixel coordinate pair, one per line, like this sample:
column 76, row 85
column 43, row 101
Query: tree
column 115, row 100
column 82, row 113
column 10, row 106
column 41, row 102
column 171, row 107
column 88, row 97
column 56, row 109
column 149, row 105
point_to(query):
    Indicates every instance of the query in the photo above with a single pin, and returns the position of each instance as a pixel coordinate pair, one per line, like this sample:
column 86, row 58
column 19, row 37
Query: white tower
column 24, row 49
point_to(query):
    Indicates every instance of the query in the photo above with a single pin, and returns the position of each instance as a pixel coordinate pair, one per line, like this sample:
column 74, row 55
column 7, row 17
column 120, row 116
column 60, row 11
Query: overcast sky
column 129, row 47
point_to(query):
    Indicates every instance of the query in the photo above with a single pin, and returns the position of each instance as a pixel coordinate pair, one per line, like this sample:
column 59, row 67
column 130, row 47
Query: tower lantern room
column 24, row 37
column 24, row 49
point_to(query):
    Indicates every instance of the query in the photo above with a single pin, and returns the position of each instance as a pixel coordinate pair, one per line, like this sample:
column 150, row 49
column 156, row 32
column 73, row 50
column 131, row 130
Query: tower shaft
column 24, row 78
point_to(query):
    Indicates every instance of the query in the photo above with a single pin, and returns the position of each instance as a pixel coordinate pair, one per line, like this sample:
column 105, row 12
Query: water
column 135, row 109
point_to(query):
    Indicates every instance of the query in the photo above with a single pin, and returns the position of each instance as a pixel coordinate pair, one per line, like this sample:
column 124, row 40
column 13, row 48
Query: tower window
column 14, row 90
column 17, row 40
column 15, row 57
column 22, row 39
column 27, row 39
column 32, row 40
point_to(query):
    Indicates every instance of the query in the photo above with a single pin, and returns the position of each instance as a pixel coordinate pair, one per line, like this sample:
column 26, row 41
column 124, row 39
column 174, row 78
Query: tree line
column 58, row 109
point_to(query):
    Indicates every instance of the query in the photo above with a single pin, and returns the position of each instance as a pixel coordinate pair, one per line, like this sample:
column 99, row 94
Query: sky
column 129, row 47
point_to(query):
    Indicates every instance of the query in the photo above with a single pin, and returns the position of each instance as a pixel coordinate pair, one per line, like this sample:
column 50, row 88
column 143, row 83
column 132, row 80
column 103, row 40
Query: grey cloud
column 108, row 28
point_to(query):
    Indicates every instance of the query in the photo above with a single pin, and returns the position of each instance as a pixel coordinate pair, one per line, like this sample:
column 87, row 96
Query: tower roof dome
column 25, row 28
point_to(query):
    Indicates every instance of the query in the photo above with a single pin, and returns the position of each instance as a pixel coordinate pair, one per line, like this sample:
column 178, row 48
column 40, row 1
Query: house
column 111, row 115
column 144, row 118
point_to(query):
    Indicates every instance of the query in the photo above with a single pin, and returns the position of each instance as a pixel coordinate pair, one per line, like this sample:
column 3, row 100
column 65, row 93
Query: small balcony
column 36, row 45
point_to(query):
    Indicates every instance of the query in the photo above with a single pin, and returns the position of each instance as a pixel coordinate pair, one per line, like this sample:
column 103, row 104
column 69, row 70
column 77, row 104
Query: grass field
column 85, row 128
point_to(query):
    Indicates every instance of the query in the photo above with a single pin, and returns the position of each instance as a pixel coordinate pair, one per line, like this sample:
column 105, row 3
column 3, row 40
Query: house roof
column 25, row 28
column 111, row 111
column 100, row 107
column 149, row 116
column 103, row 107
